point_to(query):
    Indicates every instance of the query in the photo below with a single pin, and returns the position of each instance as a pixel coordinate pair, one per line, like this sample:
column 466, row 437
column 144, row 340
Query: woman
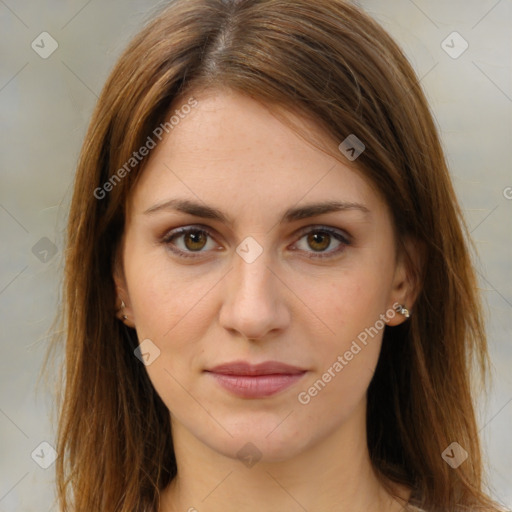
column 269, row 301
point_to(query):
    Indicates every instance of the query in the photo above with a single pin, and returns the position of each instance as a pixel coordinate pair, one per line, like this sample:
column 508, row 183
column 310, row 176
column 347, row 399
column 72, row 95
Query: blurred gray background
column 46, row 101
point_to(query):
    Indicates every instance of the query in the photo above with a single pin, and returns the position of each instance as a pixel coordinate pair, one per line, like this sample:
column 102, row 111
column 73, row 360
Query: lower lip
column 256, row 386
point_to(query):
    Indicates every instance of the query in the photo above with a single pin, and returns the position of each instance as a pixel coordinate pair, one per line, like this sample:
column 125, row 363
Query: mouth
column 256, row 381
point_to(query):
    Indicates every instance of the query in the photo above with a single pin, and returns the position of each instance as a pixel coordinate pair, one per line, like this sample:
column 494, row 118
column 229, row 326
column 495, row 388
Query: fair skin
column 288, row 305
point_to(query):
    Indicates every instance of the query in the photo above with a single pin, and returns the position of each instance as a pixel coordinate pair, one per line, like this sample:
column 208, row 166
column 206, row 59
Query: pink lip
column 256, row 381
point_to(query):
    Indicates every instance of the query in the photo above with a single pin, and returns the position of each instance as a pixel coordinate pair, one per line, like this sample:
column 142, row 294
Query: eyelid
column 321, row 227
column 340, row 235
column 183, row 230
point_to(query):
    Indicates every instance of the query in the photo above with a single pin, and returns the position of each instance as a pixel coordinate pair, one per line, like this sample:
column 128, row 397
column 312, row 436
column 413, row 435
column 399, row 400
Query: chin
column 265, row 437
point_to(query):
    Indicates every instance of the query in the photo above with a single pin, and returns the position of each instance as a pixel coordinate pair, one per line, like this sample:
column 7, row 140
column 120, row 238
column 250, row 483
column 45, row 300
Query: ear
column 123, row 305
column 407, row 281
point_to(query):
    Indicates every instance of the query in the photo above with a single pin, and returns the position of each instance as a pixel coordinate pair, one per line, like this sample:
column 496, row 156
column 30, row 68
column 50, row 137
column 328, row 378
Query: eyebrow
column 290, row 215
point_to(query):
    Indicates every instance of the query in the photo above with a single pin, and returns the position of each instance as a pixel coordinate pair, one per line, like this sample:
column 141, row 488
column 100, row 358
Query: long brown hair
column 331, row 62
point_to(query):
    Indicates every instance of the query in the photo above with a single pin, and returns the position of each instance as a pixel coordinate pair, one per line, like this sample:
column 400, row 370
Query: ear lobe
column 407, row 282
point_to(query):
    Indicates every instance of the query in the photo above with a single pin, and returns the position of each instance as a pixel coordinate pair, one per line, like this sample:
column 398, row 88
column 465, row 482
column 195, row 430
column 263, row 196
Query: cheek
column 160, row 295
column 345, row 358
column 350, row 308
column 170, row 308
column 350, row 302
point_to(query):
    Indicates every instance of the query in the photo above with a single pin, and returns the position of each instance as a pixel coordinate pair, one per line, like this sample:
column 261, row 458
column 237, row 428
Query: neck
column 333, row 474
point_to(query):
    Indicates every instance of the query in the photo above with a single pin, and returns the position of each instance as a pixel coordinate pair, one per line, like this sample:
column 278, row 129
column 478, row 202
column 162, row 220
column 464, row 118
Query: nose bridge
column 253, row 304
column 251, row 262
column 254, row 273
column 251, row 275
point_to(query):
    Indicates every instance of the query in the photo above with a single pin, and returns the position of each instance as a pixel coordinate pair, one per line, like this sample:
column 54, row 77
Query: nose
column 255, row 300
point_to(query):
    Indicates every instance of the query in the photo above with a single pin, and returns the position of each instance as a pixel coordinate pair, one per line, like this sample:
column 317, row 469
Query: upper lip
column 265, row 368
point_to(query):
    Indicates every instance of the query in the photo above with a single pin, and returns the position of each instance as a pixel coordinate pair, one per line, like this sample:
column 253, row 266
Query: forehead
column 234, row 151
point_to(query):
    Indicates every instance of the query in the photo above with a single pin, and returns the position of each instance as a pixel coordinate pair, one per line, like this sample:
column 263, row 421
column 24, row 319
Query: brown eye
column 319, row 240
column 195, row 240
column 187, row 241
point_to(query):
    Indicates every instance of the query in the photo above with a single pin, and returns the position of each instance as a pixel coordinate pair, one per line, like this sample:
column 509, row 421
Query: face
column 264, row 313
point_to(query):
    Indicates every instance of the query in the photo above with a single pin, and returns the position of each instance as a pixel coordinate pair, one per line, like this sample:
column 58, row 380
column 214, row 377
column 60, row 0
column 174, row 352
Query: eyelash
column 338, row 235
